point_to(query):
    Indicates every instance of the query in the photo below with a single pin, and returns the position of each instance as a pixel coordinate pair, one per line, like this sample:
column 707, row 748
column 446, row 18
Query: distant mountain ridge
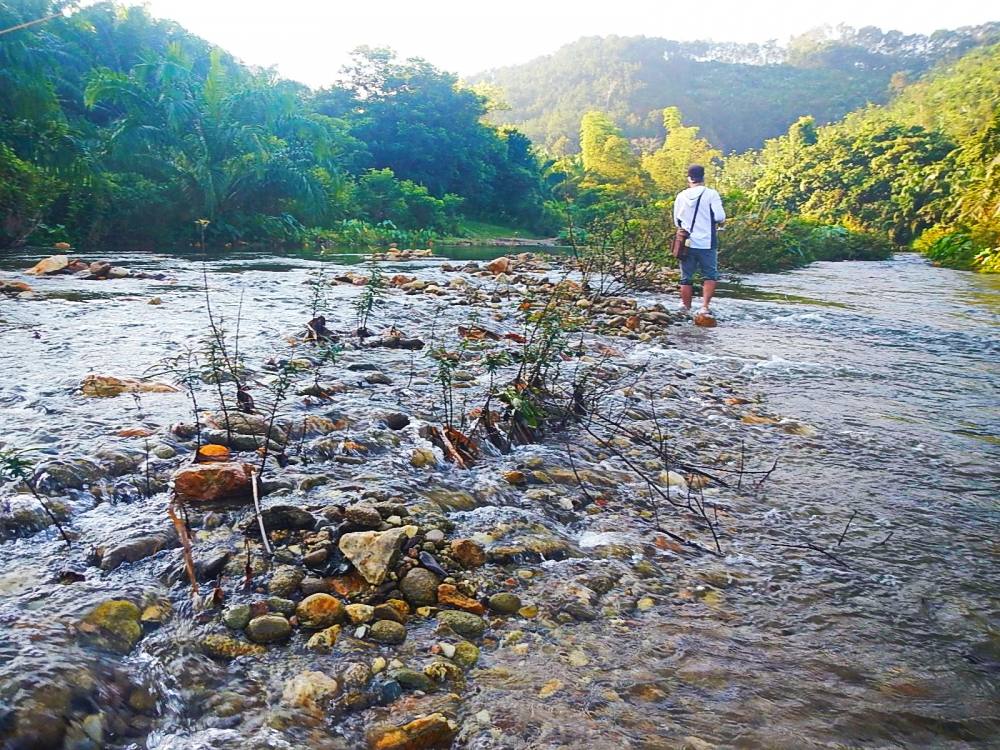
column 739, row 94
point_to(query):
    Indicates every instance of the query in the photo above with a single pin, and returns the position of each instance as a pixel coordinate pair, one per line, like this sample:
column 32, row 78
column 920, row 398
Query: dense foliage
column 922, row 171
column 116, row 128
column 738, row 94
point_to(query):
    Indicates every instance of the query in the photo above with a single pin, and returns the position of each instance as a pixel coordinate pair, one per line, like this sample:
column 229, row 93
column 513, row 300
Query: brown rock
column 450, row 596
column 213, row 481
column 13, row 287
column 468, row 553
column 319, row 611
column 431, row 731
column 705, row 320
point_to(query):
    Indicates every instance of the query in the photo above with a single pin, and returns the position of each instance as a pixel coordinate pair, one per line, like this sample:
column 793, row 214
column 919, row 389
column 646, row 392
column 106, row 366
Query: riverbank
column 609, row 582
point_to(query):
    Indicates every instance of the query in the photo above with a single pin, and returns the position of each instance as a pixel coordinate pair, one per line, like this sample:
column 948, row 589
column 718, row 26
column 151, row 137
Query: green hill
column 738, row 94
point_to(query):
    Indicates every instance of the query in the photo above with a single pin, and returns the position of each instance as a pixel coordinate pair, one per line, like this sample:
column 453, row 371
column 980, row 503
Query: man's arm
column 677, row 210
column 717, row 210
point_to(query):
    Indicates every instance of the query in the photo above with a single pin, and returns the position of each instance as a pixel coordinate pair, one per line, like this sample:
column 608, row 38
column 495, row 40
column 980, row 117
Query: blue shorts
column 707, row 260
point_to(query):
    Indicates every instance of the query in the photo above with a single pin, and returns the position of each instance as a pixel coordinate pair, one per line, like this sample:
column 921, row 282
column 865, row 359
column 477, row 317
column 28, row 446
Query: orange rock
column 514, row 477
column 134, row 432
column 757, row 419
column 319, row 611
column 349, row 584
column 62, row 246
column 450, row 596
column 500, row 265
column 632, row 323
column 705, row 321
column 431, row 731
column 213, row 481
column 213, row 452
column 468, row 553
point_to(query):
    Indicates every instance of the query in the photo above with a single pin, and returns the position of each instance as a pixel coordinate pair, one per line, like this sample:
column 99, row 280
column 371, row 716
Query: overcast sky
column 308, row 40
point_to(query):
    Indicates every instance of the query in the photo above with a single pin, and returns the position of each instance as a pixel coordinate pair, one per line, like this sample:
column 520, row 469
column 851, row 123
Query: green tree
column 682, row 147
column 608, row 158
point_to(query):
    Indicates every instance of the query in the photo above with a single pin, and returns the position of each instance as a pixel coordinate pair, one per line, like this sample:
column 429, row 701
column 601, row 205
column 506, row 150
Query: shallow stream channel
column 780, row 532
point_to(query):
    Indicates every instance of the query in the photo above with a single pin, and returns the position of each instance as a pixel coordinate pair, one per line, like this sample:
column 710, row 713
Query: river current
column 856, row 603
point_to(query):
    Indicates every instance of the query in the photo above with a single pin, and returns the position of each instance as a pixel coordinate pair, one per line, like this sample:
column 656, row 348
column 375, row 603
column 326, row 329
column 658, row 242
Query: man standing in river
column 699, row 210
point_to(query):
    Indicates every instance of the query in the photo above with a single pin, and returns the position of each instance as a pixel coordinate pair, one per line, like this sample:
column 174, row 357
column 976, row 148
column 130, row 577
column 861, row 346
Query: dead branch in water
column 182, row 533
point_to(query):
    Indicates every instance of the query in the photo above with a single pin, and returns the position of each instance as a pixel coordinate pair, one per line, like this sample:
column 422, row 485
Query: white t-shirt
column 709, row 210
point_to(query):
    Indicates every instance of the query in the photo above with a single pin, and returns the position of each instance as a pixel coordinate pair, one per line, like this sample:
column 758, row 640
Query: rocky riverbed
column 630, row 576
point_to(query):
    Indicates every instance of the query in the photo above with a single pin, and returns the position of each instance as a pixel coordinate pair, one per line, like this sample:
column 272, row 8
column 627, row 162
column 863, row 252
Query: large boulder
column 374, row 553
column 108, row 386
column 213, row 482
column 52, row 264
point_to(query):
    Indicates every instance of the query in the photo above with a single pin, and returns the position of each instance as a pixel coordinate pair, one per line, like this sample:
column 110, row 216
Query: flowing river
column 856, row 602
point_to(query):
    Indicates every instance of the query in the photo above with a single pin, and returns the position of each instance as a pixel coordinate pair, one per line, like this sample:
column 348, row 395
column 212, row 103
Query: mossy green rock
column 237, row 616
column 465, row 624
column 505, row 603
column 466, row 654
column 411, row 679
column 113, row 625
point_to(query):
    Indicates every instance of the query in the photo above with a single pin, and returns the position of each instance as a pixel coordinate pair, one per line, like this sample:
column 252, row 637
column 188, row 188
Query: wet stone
column 365, row 516
column 268, row 629
column 226, row 647
column 237, row 616
column 314, row 585
column 113, row 625
column 466, row 654
column 463, row 623
column 505, row 603
column 396, row 420
column 285, row 581
column 281, row 606
column 324, row 640
column 580, row 611
column 388, row 612
column 279, row 518
column 468, row 553
column 411, row 679
column 319, row 611
column 359, row 614
column 388, row 631
column 419, row 587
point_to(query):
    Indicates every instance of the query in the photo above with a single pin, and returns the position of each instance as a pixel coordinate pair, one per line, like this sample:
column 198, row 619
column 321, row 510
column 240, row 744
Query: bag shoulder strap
column 697, row 204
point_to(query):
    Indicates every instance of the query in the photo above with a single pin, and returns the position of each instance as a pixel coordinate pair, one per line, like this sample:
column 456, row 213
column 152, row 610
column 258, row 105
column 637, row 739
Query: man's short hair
column 696, row 172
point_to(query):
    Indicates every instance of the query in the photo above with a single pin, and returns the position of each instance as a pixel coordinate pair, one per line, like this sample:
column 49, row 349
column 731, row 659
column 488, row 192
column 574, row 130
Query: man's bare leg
column 707, row 292
column 687, row 292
